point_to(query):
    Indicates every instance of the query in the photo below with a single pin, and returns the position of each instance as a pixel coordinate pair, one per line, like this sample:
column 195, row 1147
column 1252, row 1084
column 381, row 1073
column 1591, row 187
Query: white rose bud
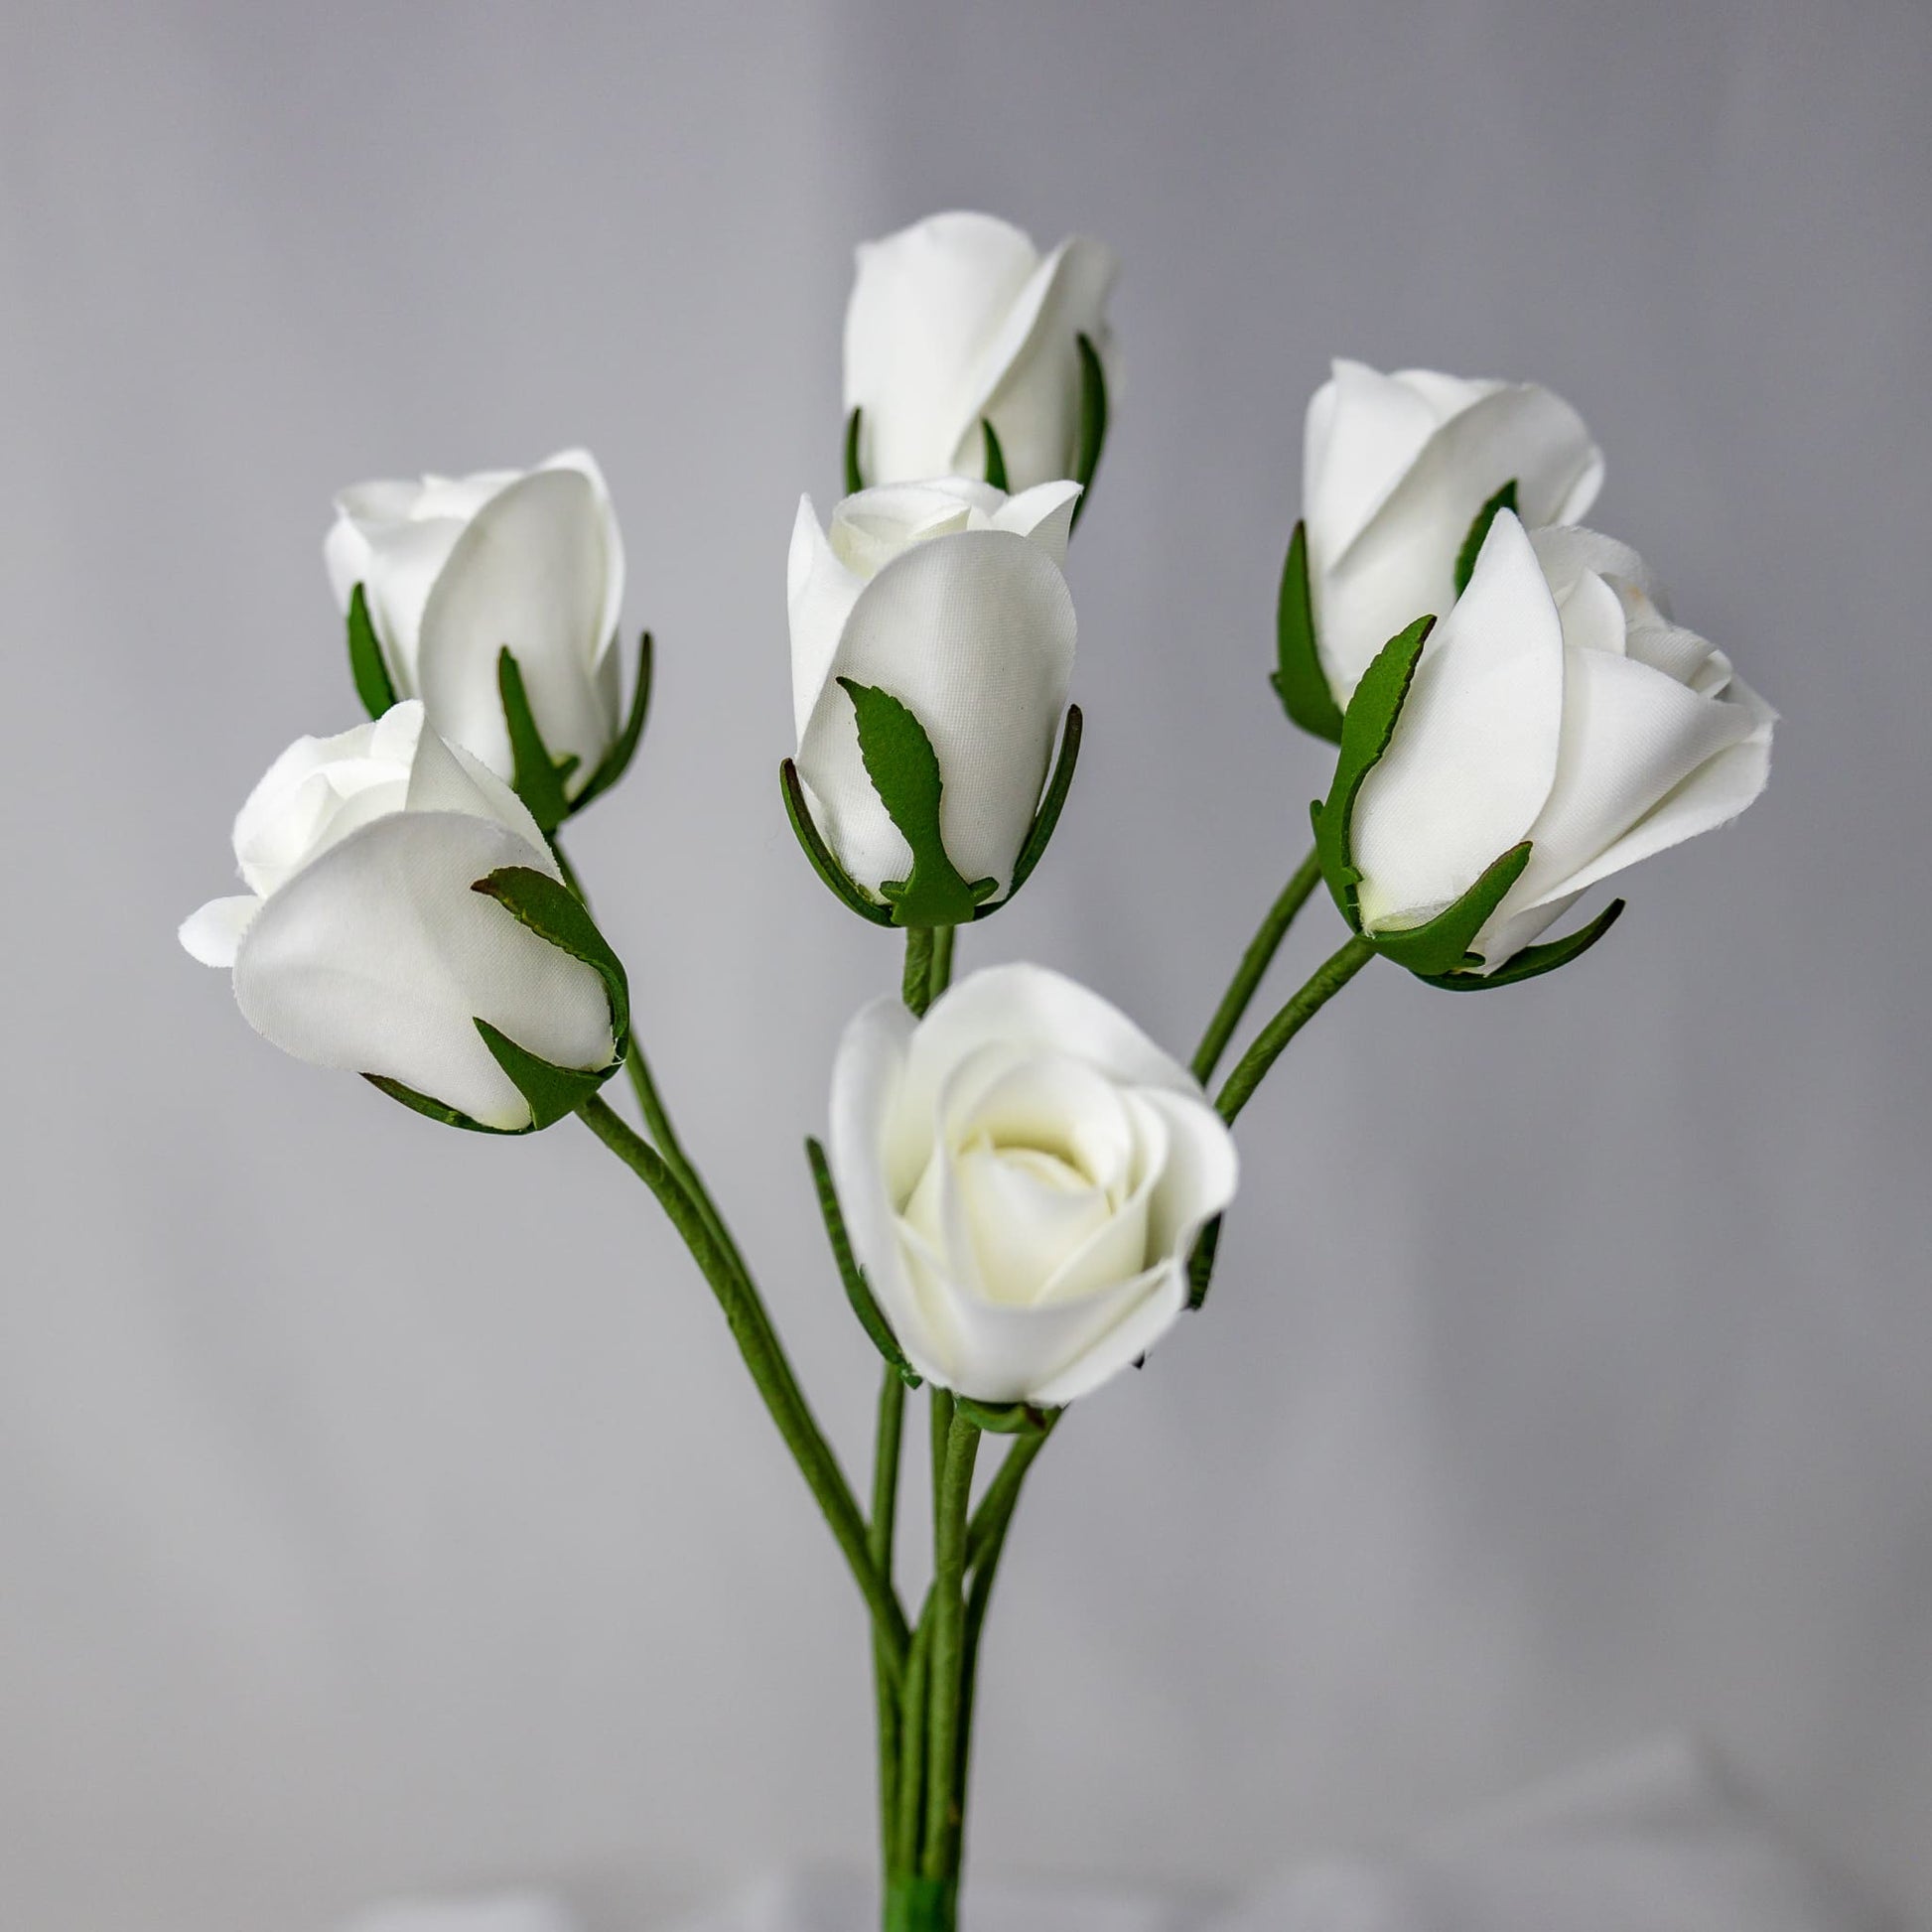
column 1023, row 1174
column 1556, row 703
column 958, row 319
column 456, row 568
column 1396, row 468
column 950, row 597
column 359, row 943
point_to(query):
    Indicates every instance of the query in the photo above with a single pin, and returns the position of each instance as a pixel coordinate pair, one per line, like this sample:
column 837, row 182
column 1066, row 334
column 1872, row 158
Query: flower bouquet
column 1021, row 1193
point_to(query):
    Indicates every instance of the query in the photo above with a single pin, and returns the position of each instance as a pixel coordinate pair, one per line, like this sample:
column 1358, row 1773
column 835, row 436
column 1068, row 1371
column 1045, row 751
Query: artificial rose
column 1557, row 703
column 949, row 595
column 359, row 943
column 1394, row 469
column 455, row 568
column 958, row 319
column 1023, row 1173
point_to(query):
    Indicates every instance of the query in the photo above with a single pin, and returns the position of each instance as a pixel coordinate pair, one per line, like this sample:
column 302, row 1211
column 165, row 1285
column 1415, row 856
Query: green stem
column 1254, row 966
column 916, row 985
column 878, row 1545
column 916, row 1683
column 942, row 1811
column 764, row 1356
column 942, row 975
column 1321, row 986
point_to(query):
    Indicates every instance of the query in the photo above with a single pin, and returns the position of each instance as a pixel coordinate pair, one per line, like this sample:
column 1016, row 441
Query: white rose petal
column 1023, row 1175
column 959, row 318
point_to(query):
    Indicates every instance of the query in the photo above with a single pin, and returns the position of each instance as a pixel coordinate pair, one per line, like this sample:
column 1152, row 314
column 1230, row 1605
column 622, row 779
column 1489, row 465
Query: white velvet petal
column 1045, row 514
column 1382, row 550
column 877, row 1152
column 530, row 572
column 404, row 562
column 1028, row 383
column 975, row 632
column 345, row 557
column 1567, row 551
column 1198, row 1177
column 447, row 779
column 1157, row 1302
column 924, row 304
column 379, row 957
column 212, row 932
column 585, row 466
column 1474, row 750
column 819, row 595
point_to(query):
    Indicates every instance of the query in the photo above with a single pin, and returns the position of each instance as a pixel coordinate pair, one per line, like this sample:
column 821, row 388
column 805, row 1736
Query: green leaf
column 372, row 682
column 1465, row 558
column 1366, row 728
column 1049, row 815
column 617, row 761
column 819, row 853
column 854, row 481
column 1443, row 944
column 554, row 912
column 1094, row 422
column 996, row 458
column 539, row 778
column 857, row 1289
column 421, row 1103
column 1006, row 1417
column 1298, row 678
column 904, row 772
column 1200, row 1264
column 552, row 1091
column 1533, row 961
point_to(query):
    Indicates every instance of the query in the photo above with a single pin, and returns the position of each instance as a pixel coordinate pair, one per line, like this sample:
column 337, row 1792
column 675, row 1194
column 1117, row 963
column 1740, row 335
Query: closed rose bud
column 958, row 319
column 948, row 596
column 1023, row 1174
column 456, row 568
column 1556, row 703
column 359, row 943
column 1396, row 468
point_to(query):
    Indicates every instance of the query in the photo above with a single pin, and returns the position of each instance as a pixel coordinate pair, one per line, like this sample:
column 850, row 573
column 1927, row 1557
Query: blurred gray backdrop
column 380, row 1507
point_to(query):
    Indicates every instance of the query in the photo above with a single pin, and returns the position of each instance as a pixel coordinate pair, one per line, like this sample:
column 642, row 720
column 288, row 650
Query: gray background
column 379, row 1507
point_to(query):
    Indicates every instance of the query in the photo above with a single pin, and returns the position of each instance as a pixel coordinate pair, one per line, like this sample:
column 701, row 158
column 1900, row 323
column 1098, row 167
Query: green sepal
column 421, row 1103
column 538, row 777
column 552, row 1091
column 835, row 875
column 1442, row 945
column 857, row 1291
column 554, row 912
column 904, row 772
column 374, row 684
column 854, row 481
column 1006, row 1417
column 996, row 458
column 1200, row 1264
column 1297, row 676
column 1049, row 815
column 1465, row 558
column 1094, row 422
column 1366, row 728
column 617, row 761
column 1533, row 961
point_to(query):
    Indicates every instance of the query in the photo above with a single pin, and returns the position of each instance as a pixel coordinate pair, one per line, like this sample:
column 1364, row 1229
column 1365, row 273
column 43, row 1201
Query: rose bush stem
column 757, row 1342
column 948, row 1616
column 1321, row 987
column 1254, row 966
column 879, row 1543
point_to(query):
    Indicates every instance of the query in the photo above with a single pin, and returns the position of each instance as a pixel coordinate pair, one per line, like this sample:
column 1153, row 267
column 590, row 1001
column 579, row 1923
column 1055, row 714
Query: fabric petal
column 212, row 932
column 820, row 594
column 585, row 466
column 378, row 958
column 531, row 571
column 975, row 632
column 1045, row 514
column 1474, row 752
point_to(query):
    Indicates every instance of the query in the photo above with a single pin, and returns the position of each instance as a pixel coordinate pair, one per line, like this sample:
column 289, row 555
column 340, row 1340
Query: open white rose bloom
column 949, row 595
column 1023, row 1174
column 1024, row 1193
column 359, row 943
column 1556, row 703
column 958, row 320
column 457, row 568
column 1395, row 469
